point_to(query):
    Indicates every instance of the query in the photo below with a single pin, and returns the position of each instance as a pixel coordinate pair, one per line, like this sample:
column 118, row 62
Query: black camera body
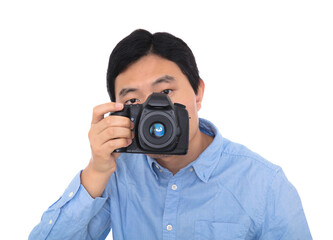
column 160, row 126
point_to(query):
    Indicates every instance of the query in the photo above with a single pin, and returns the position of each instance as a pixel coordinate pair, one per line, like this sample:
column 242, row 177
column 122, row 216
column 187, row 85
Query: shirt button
column 191, row 169
column 71, row 194
column 51, row 221
column 169, row 227
column 174, row 187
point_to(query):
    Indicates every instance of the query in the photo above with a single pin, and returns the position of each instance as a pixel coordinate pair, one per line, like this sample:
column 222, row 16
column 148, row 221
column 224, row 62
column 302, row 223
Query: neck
column 196, row 146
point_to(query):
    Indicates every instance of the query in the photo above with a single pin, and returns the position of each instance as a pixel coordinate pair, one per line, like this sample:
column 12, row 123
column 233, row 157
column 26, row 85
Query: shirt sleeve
column 75, row 215
column 284, row 216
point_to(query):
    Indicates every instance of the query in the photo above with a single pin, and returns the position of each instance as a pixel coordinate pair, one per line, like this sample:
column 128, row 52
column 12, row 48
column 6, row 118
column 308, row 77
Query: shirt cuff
column 77, row 203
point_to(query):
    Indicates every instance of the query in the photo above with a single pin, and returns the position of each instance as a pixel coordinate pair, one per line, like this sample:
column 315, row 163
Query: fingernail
column 119, row 105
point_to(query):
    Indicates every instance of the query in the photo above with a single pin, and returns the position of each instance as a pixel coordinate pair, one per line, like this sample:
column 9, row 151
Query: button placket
column 171, row 207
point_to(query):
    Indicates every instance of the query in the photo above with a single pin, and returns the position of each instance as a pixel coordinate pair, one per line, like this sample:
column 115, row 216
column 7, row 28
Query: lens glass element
column 157, row 130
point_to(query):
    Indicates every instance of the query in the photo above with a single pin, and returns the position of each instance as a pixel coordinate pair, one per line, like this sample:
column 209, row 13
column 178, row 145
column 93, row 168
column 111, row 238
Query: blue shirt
column 228, row 192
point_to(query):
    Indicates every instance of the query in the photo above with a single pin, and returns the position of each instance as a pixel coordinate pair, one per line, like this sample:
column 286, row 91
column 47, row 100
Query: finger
column 112, row 121
column 113, row 133
column 113, row 144
column 100, row 110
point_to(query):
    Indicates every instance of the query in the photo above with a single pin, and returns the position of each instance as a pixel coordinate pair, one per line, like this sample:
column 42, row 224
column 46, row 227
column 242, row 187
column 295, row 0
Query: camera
column 160, row 126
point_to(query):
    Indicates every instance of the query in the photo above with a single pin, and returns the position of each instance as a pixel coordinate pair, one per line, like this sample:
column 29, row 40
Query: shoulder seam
column 271, row 166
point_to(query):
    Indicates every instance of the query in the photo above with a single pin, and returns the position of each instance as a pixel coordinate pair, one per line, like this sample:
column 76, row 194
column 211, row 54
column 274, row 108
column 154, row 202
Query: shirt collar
column 151, row 163
column 205, row 164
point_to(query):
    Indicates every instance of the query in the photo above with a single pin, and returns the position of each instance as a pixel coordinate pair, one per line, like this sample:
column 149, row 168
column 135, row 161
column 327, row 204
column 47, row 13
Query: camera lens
column 157, row 130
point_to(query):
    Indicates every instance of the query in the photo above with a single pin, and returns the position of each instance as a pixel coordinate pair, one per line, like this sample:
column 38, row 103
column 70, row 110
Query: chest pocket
column 207, row 230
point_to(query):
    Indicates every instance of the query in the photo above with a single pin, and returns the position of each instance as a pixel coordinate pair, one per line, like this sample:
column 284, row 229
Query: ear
column 200, row 93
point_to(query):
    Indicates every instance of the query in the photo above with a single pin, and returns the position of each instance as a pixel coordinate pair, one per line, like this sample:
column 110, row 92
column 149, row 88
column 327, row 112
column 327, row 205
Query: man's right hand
column 105, row 135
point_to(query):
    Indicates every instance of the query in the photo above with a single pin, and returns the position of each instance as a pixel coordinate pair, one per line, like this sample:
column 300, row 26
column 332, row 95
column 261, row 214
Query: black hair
column 141, row 43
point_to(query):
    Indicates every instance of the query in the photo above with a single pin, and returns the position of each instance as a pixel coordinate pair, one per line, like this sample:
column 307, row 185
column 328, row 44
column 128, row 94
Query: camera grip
column 123, row 113
column 120, row 113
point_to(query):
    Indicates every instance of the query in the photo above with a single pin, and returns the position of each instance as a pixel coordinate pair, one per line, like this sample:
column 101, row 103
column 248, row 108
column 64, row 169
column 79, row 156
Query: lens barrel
column 157, row 130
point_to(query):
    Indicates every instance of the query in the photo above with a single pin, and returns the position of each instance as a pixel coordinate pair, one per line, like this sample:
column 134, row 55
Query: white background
column 268, row 69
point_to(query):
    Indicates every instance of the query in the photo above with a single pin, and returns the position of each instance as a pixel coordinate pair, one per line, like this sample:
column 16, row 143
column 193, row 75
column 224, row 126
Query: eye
column 167, row 91
column 132, row 101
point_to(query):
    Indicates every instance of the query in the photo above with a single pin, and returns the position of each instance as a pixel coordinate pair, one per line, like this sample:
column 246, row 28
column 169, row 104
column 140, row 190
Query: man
column 218, row 190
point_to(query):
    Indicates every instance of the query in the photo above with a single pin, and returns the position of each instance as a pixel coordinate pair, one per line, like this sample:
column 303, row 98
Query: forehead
column 145, row 71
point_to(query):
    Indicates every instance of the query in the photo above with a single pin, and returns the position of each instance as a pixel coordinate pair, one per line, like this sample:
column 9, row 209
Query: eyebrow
column 126, row 91
column 163, row 79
